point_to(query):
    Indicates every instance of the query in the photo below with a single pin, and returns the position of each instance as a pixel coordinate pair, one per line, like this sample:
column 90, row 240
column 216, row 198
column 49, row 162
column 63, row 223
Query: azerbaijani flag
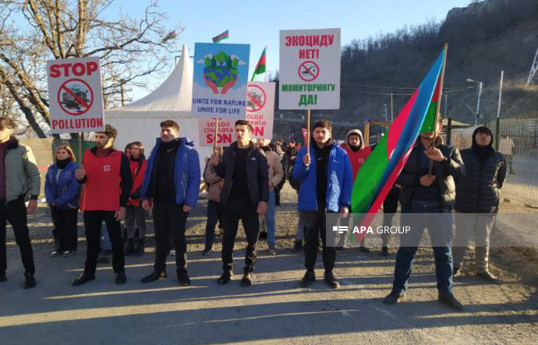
column 260, row 66
column 220, row 37
column 378, row 174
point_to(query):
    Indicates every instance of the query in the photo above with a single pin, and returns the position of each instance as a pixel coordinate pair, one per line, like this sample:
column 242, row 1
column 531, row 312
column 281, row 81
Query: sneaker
column 298, row 245
column 225, row 277
column 67, row 253
column 487, row 275
column 394, row 297
column 120, row 278
column 173, row 252
column 183, row 278
column 384, row 251
column 272, row 250
column 246, row 281
column 55, row 253
column 451, row 301
column 331, row 280
column 308, row 278
column 29, row 281
column 207, row 251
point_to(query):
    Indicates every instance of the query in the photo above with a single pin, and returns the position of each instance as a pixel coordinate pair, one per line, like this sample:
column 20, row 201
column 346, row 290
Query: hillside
column 484, row 38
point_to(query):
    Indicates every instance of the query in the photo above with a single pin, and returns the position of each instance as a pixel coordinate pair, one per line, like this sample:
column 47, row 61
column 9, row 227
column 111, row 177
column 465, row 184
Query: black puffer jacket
column 257, row 174
column 446, row 171
column 479, row 190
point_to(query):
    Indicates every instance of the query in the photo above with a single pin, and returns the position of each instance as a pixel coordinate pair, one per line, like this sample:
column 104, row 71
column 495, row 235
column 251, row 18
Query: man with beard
column 107, row 177
column 427, row 197
column 172, row 181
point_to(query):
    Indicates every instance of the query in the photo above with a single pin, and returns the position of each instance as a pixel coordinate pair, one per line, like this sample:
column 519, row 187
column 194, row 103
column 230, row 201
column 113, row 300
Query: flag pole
column 439, row 96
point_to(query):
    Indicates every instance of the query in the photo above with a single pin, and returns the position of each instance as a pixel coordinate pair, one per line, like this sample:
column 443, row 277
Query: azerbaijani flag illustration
column 378, row 174
column 221, row 37
column 260, row 66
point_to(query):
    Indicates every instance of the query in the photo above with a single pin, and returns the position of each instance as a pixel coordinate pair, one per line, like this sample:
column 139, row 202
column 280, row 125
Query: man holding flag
column 428, row 189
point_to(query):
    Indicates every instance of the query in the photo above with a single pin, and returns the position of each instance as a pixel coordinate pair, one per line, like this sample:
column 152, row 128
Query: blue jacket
column 339, row 180
column 187, row 173
column 66, row 190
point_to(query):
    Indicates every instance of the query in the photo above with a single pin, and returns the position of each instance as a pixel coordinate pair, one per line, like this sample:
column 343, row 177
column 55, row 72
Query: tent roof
column 172, row 98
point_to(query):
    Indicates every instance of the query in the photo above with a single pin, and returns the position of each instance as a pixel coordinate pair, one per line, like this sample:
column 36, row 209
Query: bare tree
column 34, row 31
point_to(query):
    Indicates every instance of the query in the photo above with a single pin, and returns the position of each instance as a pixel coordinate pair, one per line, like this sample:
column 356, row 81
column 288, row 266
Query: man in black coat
column 477, row 200
column 244, row 196
column 427, row 197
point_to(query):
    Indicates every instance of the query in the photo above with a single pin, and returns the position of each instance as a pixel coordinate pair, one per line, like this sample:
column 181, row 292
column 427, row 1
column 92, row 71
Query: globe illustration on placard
column 220, row 72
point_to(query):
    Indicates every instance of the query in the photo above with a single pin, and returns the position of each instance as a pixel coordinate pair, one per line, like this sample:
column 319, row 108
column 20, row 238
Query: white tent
column 139, row 121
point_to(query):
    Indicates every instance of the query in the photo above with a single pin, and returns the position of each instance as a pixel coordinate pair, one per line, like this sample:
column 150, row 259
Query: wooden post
column 215, row 141
column 80, row 149
column 308, row 132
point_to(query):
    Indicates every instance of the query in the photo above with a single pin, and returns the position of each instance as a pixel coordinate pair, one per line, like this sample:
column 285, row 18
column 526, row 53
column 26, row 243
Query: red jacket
column 357, row 158
column 138, row 169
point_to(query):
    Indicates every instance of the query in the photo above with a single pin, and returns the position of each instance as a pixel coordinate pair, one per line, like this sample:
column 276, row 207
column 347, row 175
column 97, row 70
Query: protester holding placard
column 326, row 183
column 244, row 197
column 107, row 177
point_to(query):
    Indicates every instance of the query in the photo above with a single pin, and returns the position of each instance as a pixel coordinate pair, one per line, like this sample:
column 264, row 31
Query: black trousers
column 65, row 228
column 15, row 212
column 170, row 221
column 314, row 224
column 93, row 220
column 234, row 211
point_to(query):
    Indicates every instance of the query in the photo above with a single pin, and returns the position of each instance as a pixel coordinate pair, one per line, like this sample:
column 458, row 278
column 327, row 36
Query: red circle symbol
column 256, row 98
column 308, row 71
column 75, row 97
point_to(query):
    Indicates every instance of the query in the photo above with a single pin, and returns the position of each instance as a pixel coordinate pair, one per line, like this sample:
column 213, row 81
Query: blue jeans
column 439, row 226
column 267, row 223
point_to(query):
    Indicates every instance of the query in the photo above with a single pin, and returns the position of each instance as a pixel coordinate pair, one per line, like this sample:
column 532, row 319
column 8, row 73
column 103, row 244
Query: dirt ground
column 273, row 310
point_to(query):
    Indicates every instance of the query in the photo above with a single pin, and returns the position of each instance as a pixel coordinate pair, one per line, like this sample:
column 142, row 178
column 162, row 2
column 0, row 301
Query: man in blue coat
column 172, row 181
column 326, row 183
